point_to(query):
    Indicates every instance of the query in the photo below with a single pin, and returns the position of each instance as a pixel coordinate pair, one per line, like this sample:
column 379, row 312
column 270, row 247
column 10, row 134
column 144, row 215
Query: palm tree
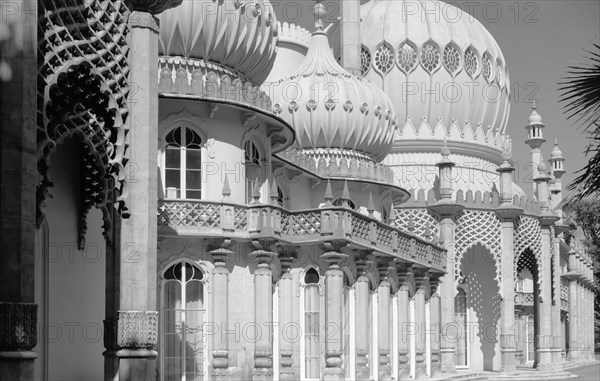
column 581, row 95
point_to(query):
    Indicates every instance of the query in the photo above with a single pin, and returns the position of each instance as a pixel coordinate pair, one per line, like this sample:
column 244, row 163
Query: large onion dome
column 240, row 35
column 442, row 69
column 333, row 111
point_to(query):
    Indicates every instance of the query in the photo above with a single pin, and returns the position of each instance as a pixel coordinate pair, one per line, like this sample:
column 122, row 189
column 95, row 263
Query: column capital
column 143, row 20
column 333, row 253
column 547, row 218
column 445, row 209
column 287, row 255
column 263, row 250
column 18, row 326
column 508, row 212
column 220, row 249
column 137, row 330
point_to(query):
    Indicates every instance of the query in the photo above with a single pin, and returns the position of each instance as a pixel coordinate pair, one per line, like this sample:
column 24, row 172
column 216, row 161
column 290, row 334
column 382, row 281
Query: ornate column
column 334, row 312
column 264, row 252
column 138, row 232
column 18, row 174
column 573, row 354
column 361, row 291
column 287, row 255
column 546, row 220
column 404, row 272
column 556, row 322
column 434, row 323
column 507, row 213
column 384, row 319
column 445, row 211
column 519, row 336
column 220, row 306
column 421, row 281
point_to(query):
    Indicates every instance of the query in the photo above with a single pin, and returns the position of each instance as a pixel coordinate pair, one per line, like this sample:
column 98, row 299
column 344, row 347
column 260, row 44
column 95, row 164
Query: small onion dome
column 329, row 108
column 535, row 119
column 239, row 35
column 556, row 152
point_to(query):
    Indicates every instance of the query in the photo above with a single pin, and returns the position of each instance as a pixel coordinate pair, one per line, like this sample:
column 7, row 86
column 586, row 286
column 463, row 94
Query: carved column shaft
column 447, row 292
column 544, row 338
column 403, row 329
column 286, row 297
column 434, row 323
column 334, row 315
column 556, row 323
column 361, row 290
column 18, row 173
column 420, row 295
column 519, row 336
column 263, row 316
column 220, row 305
column 383, row 327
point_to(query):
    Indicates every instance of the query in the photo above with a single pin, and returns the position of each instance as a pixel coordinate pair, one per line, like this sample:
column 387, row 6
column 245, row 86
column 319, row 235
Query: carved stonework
column 154, row 6
column 18, row 326
column 143, row 20
column 137, row 329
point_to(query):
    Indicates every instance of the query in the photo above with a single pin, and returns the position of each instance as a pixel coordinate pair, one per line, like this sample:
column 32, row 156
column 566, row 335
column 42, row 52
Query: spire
column 345, row 195
column 328, row 194
column 274, row 194
column 226, row 192
column 371, row 205
column 320, row 13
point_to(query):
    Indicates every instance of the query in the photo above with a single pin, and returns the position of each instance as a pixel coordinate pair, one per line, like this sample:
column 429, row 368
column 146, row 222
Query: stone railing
column 215, row 219
column 205, row 80
column 523, row 298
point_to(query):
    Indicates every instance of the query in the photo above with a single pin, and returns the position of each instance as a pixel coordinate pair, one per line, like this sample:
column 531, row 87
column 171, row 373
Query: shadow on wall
column 483, row 303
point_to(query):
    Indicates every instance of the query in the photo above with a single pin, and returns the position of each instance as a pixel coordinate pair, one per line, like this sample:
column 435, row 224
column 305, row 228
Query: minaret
column 350, row 35
column 535, row 139
column 557, row 169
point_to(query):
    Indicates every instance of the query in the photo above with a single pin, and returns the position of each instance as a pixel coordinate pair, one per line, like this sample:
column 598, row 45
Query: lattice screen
column 528, row 235
column 420, row 218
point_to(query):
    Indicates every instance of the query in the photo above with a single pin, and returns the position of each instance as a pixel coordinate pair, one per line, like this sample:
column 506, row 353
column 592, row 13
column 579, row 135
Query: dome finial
column 534, row 107
column 319, row 12
column 556, row 141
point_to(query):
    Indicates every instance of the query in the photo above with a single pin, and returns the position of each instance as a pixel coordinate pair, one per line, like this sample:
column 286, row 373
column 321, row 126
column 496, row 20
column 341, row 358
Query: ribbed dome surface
column 237, row 34
column 436, row 62
column 332, row 109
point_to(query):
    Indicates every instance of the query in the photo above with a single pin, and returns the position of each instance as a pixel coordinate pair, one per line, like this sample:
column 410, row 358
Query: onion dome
column 440, row 66
column 331, row 110
column 556, row 152
column 239, row 35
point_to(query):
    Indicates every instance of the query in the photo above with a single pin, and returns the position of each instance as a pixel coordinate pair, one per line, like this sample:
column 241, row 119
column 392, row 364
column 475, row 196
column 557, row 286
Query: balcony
column 220, row 219
column 523, row 299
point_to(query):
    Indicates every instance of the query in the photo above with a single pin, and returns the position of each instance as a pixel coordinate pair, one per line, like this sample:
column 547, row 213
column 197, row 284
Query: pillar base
column 333, row 374
column 262, row 375
column 557, row 362
column 448, row 359
column 137, row 364
column 545, row 360
column 362, row 373
column 17, row 365
column 287, row 375
column 508, row 360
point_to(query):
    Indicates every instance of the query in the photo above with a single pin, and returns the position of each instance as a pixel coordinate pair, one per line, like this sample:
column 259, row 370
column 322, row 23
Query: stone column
column 556, row 323
column 138, row 265
column 573, row 354
column 334, row 312
column 350, row 35
column 546, row 219
column 421, row 280
column 404, row 272
column 18, row 173
column 220, row 307
column 286, row 297
column 434, row 329
column 361, row 291
column 263, row 310
column 519, row 336
column 507, row 213
column 384, row 320
column 445, row 211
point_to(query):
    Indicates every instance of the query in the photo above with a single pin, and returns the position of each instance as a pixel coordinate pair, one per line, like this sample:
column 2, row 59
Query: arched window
column 252, row 166
column 460, row 318
column 182, row 165
column 312, row 325
column 183, row 353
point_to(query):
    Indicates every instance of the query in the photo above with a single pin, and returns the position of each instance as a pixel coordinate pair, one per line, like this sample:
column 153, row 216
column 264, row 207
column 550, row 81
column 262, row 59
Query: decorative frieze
column 18, row 326
column 137, row 329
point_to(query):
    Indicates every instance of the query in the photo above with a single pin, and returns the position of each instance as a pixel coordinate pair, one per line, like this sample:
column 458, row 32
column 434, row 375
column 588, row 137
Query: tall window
column 530, row 335
column 183, row 164
column 252, row 166
column 183, row 352
column 460, row 318
column 312, row 325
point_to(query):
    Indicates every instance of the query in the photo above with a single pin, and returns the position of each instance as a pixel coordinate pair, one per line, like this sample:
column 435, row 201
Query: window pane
column 172, row 158
column 172, row 178
column 196, row 195
column 193, row 179
column 194, row 294
column 193, row 159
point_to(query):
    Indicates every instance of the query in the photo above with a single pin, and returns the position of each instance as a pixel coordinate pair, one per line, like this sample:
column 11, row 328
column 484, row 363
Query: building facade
column 192, row 190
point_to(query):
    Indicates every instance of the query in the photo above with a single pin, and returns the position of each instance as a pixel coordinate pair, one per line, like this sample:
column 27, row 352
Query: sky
column 539, row 40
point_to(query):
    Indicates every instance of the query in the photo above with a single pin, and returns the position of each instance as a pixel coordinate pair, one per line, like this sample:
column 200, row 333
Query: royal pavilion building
column 193, row 190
